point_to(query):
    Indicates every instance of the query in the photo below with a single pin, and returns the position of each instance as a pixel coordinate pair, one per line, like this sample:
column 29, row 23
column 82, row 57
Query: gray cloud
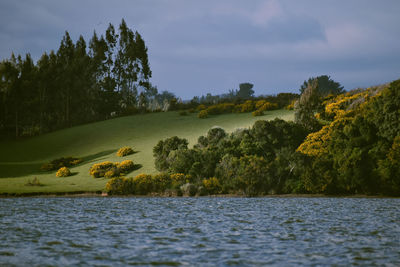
column 197, row 47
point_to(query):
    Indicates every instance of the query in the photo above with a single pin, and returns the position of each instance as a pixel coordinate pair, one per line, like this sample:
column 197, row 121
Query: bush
column 126, row 166
column 192, row 110
column 143, row 184
column 203, row 114
column 114, row 172
column 260, row 103
column 268, row 106
column 35, row 182
column 99, row 169
column 178, row 179
column 201, row 107
column 247, row 106
column 125, row 151
column 188, row 189
column 60, row 162
column 183, row 113
column 63, row 172
column 212, row 185
column 120, row 186
column 258, row 112
column 161, row 182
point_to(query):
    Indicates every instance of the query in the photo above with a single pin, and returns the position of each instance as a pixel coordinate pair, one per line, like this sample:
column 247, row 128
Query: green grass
column 97, row 142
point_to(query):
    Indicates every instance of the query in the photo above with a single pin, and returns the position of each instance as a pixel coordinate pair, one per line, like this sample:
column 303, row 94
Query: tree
column 326, row 85
column 309, row 103
column 163, row 148
column 245, row 90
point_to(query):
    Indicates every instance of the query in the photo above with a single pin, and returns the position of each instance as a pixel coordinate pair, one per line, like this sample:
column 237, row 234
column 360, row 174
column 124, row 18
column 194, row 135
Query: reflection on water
column 199, row 231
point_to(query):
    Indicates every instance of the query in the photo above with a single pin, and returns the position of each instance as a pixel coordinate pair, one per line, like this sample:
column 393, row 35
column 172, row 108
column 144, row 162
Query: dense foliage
column 78, row 83
column 355, row 149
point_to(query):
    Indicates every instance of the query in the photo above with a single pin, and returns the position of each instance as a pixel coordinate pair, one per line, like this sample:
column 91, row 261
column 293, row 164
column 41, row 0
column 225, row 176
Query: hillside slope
column 20, row 161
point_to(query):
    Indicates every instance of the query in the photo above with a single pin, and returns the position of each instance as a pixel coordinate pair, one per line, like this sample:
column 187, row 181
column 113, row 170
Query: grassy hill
column 20, row 161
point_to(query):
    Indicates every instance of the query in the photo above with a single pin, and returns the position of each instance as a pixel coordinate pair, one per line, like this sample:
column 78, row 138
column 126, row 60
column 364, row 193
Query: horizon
column 199, row 48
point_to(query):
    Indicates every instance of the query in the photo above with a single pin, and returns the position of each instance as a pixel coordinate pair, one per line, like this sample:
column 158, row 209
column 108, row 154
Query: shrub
column 100, row 169
column 203, row 114
column 125, row 151
column 161, row 182
column 291, row 105
column 268, row 106
column 164, row 147
column 178, row 179
column 260, row 103
column 143, row 184
column 35, row 182
column 201, row 107
column 60, row 162
column 126, row 166
column 247, row 106
column 183, row 113
column 114, row 172
column 192, row 110
column 258, row 112
column 63, row 172
column 188, row 189
column 120, row 186
column 212, row 185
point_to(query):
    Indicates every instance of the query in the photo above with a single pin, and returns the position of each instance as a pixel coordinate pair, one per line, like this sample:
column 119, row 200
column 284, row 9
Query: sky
column 211, row 46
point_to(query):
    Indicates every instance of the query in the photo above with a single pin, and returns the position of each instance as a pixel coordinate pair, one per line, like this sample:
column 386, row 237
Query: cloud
column 196, row 46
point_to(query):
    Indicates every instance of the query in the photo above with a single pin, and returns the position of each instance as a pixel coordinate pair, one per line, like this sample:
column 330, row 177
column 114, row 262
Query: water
column 199, row 231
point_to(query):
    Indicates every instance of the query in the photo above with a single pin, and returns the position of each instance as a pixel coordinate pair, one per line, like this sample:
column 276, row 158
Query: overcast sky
column 202, row 46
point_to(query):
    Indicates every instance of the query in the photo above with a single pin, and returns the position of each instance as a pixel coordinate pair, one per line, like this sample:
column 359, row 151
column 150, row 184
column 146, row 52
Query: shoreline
column 101, row 194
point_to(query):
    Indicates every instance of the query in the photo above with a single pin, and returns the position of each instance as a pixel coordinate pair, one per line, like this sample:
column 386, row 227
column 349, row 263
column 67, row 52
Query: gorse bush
column 60, row 162
column 99, row 169
column 110, row 169
column 63, row 172
column 143, row 184
column 203, row 114
column 212, row 185
column 258, row 112
column 126, row 166
column 120, row 186
column 125, row 151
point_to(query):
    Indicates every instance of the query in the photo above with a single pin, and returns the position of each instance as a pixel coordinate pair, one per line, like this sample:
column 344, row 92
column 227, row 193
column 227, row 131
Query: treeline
column 79, row 83
column 234, row 98
column 340, row 143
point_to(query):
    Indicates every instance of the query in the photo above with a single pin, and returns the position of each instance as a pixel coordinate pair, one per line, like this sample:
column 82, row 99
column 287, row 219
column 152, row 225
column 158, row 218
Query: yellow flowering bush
column 63, row 172
column 143, row 184
column 120, row 186
column 126, row 166
column 258, row 112
column 203, row 114
column 212, row 185
column 201, row 107
column 268, row 106
column 161, row 182
column 125, row 151
column 99, row 169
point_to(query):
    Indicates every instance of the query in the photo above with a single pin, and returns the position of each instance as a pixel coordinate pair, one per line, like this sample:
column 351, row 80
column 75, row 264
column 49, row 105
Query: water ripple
column 199, row 231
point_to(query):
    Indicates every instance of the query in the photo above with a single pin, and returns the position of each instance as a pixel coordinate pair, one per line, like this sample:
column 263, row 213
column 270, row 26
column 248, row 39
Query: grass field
column 20, row 161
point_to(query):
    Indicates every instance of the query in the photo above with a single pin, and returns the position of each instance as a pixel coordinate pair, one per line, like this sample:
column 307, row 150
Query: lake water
column 199, row 231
